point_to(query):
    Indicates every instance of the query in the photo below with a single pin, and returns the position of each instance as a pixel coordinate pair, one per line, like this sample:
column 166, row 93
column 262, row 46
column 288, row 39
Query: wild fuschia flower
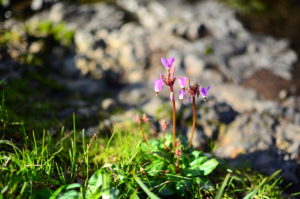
column 169, row 81
column 158, row 85
column 182, row 81
column 163, row 125
column 167, row 62
column 138, row 119
column 181, row 94
column 145, row 118
column 204, row 92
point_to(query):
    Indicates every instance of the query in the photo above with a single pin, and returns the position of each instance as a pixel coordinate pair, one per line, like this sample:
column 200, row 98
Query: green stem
column 194, row 122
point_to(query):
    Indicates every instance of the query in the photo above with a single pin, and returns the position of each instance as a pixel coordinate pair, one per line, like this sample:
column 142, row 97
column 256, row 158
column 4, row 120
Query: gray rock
column 87, row 112
column 91, row 131
column 154, row 107
column 84, row 41
column 193, row 65
column 69, row 68
column 57, row 11
column 88, row 66
column 248, row 133
column 108, row 104
column 241, row 99
column 36, row 4
column 270, row 161
column 85, row 86
column 149, row 13
column 211, row 77
column 199, row 139
column 288, row 138
column 133, row 94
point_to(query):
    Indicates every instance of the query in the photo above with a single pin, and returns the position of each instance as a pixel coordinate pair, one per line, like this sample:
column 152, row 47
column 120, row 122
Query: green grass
column 69, row 164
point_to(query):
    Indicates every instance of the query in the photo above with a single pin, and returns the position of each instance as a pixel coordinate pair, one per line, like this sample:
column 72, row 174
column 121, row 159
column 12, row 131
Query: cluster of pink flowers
column 187, row 91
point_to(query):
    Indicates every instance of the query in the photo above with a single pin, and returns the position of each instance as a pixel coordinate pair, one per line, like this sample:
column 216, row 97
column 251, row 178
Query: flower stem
column 194, row 122
column 174, row 119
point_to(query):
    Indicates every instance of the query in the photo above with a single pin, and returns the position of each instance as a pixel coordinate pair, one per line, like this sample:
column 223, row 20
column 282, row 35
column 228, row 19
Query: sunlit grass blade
column 224, row 183
column 145, row 188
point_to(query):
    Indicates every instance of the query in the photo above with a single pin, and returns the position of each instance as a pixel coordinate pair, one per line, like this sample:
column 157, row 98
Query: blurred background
column 98, row 59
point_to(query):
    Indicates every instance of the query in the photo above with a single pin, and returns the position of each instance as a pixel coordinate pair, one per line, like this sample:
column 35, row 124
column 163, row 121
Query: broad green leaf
column 193, row 172
column 71, row 194
column 58, row 193
column 94, row 185
column 112, row 193
column 155, row 167
column 208, row 166
column 44, row 193
column 204, row 183
column 198, row 162
column 73, row 186
column 196, row 153
column 182, row 186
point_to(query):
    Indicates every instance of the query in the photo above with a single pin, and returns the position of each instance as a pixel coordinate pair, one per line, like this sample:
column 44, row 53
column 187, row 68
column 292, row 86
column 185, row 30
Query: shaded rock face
column 248, row 133
column 268, row 85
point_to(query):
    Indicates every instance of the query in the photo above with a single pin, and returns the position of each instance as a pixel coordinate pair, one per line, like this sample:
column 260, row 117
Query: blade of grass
column 145, row 188
column 224, row 183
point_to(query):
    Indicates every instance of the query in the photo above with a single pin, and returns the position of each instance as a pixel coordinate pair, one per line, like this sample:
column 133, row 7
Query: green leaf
column 71, row 194
column 196, row 153
column 112, row 193
column 134, row 195
column 208, row 166
column 44, row 193
column 58, row 193
column 204, row 183
column 182, row 186
column 155, row 167
column 94, row 185
column 145, row 188
column 200, row 167
column 198, row 162
column 73, row 186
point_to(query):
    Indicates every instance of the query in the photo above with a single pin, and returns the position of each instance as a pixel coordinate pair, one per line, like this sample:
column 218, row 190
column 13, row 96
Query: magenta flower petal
column 182, row 81
column 158, row 85
column 164, row 62
column 181, row 94
column 167, row 62
column 204, row 91
column 171, row 60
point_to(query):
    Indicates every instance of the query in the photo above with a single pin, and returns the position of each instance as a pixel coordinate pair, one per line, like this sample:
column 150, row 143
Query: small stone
column 193, row 65
column 154, row 107
column 199, row 139
column 108, row 104
column 133, row 94
column 85, row 86
column 36, row 4
column 241, row 99
column 84, row 41
column 57, row 12
column 248, row 133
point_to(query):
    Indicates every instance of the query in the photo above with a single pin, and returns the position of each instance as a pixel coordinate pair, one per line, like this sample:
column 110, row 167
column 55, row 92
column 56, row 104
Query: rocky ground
column 252, row 112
